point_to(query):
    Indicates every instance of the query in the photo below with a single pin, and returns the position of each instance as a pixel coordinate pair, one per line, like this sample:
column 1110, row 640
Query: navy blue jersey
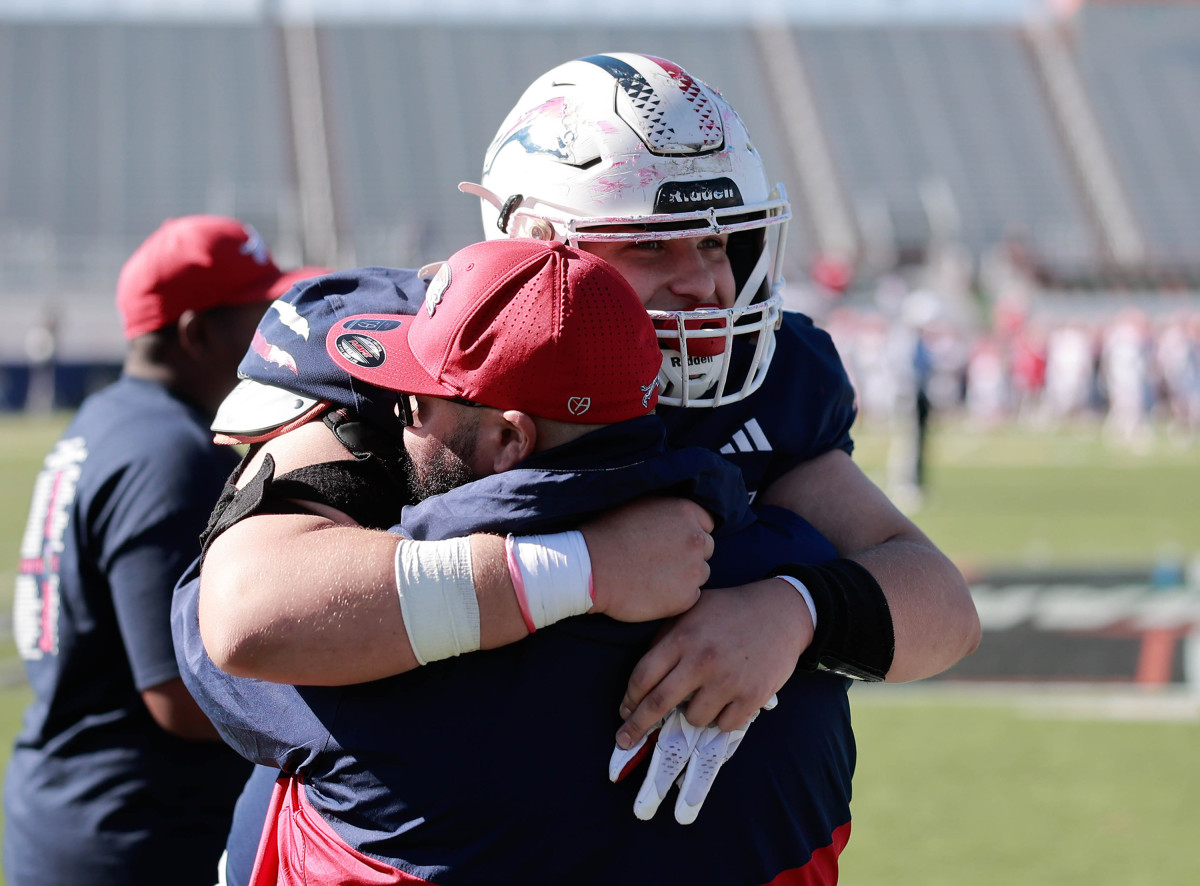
column 96, row 792
column 804, row 409
column 492, row 767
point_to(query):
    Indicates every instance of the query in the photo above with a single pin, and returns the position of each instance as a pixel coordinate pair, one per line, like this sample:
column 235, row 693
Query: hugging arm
column 730, row 658
column 311, row 598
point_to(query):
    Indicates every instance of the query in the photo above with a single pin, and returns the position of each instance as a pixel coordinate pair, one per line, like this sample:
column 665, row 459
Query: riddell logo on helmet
column 692, row 361
column 688, row 196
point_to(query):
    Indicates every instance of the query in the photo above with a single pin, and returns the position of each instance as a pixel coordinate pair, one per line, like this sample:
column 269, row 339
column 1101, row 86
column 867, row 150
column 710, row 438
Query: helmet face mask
column 630, row 148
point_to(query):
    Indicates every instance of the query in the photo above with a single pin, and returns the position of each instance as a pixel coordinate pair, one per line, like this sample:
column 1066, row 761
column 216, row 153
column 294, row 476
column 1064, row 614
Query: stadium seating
column 935, row 132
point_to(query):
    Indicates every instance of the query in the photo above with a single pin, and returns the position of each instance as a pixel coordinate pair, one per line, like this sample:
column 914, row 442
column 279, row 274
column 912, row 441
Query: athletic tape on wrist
column 551, row 576
column 853, row 635
column 437, row 597
column 805, row 595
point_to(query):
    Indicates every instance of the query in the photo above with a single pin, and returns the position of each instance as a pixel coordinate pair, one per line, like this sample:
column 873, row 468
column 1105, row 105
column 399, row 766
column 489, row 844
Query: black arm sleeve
column 854, row 635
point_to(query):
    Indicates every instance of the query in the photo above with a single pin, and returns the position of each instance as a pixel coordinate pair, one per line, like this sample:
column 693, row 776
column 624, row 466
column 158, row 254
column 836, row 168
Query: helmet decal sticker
column 540, row 131
column 660, row 120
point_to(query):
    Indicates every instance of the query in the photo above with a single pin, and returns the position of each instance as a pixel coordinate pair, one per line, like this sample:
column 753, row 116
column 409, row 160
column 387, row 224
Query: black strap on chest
column 371, row 488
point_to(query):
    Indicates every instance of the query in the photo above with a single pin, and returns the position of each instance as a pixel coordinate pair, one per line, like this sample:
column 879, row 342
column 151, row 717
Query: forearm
column 933, row 617
column 300, row 599
column 307, row 600
column 911, row 617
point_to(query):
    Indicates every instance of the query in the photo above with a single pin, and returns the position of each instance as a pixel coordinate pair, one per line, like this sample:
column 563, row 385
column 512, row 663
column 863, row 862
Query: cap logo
column 290, row 317
column 718, row 193
column 255, row 246
column 360, row 349
column 272, row 353
column 579, row 405
column 648, row 392
column 437, row 288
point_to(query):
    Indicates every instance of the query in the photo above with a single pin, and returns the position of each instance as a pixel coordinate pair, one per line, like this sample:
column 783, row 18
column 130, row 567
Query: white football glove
column 685, row 754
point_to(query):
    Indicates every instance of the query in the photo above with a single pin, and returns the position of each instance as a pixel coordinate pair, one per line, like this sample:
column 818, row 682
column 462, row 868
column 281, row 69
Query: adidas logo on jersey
column 749, row 439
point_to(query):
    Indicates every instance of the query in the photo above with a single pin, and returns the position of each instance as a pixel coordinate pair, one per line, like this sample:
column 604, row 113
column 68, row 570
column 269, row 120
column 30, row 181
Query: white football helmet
column 625, row 139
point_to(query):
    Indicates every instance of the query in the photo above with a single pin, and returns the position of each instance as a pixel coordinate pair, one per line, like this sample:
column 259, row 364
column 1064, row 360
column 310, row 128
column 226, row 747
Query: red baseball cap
column 198, row 262
column 515, row 324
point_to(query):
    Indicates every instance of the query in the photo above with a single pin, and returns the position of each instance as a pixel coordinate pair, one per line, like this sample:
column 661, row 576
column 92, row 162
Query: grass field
column 967, row 785
column 1018, row 497
column 990, row 788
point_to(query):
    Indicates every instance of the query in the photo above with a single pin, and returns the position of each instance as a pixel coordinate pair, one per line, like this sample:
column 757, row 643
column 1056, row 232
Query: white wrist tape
column 808, row 600
column 551, row 575
column 437, row 597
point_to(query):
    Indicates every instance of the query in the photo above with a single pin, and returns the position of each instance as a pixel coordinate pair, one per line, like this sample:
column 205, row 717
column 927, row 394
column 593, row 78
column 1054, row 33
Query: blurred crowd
column 1128, row 369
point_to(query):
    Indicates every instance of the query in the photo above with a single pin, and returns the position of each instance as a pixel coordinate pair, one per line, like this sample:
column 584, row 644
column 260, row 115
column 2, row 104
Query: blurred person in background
column 910, row 364
column 1177, row 356
column 1070, row 372
column 1127, row 364
column 117, row 777
column 41, row 352
column 987, row 396
column 1028, row 368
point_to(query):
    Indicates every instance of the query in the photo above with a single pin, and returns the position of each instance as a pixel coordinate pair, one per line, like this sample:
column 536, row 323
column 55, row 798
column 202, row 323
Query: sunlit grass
column 1039, row 497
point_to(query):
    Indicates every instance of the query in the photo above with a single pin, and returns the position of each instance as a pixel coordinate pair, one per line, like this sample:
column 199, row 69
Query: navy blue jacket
column 492, row 767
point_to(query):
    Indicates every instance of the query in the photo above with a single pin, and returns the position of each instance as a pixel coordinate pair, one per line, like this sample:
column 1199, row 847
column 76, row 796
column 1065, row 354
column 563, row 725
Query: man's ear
column 192, row 332
column 515, row 441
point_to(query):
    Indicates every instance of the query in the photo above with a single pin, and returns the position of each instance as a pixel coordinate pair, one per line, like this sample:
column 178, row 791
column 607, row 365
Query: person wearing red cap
column 632, row 158
column 528, row 380
column 117, row 777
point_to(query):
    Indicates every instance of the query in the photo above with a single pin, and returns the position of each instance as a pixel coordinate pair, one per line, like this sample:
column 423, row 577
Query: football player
column 631, row 158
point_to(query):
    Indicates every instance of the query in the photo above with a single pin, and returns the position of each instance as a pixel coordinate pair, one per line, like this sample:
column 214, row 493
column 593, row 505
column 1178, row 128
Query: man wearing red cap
column 634, row 160
column 117, row 777
column 534, row 368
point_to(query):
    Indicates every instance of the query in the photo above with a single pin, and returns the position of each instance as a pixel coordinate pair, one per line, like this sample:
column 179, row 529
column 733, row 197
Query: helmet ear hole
column 541, row 230
column 527, row 226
